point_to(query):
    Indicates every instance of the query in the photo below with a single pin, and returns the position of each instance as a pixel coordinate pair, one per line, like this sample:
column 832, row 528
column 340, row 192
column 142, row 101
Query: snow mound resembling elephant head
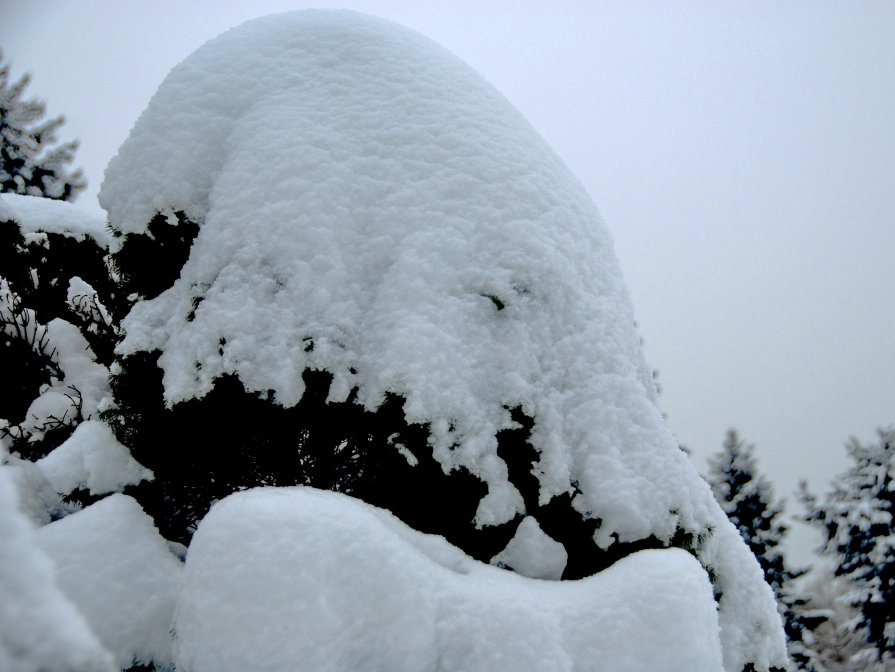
column 368, row 206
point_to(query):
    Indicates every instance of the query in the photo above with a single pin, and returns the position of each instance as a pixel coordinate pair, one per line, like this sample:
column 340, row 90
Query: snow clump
column 92, row 458
column 112, row 563
column 532, row 553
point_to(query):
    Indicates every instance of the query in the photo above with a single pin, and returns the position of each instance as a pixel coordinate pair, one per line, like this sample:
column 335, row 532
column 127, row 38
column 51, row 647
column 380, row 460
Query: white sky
column 742, row 154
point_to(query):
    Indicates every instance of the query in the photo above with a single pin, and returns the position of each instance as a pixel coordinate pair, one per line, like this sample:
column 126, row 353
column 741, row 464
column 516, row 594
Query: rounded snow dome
column 361, row 189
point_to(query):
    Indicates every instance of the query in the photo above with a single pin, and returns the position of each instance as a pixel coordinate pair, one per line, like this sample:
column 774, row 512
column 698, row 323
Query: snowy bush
column 379, row 280
column 340, row 259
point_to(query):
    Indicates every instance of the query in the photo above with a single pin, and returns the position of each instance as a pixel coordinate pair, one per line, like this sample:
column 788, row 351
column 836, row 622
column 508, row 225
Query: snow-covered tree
column 30, row 160
column 56, row 342
column 747, row 497
column 857, row 518
column 377, row 279
column 832, row 643
column 56, row 335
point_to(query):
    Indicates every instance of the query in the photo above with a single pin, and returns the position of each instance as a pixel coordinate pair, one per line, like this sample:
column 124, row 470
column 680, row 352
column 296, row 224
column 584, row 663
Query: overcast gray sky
column 742, row 154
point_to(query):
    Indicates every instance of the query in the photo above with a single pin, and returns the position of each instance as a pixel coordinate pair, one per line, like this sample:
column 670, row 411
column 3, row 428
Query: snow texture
column 40, row 629
column 276, row 576
column 113, row 564
column 7, row 214
column 38, row 500
column 362, row 191
column 36, row 215
column 532, row 553
column 93, row 459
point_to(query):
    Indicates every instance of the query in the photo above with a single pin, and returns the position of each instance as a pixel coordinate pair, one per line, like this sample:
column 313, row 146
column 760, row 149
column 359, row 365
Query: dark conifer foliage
column 202, row 450
column 39, row 273
column 148, row 263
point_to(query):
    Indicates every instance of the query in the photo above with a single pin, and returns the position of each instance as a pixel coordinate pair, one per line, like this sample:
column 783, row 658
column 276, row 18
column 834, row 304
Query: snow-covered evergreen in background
column 832, row 643
column 29, row 162
column 857, row 519
column 747, row 497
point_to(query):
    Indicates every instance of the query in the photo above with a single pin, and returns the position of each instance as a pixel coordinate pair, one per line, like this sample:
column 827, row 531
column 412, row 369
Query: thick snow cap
column 360, row 188
column 36, row 215
column 370, row 206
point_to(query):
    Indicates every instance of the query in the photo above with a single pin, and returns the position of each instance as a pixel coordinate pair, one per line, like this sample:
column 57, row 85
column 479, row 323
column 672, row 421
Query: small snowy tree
column 830, row 642
column 857, row 518
column 29, row 162
column 56, row 335
column 747, row 497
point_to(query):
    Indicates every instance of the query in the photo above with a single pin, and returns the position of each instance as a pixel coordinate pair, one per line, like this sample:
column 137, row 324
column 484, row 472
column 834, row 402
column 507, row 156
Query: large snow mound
column 370, row 206
column 361, row 189
column 276, row 576
column 36, row 215
column 40, row 629
column 113, row 564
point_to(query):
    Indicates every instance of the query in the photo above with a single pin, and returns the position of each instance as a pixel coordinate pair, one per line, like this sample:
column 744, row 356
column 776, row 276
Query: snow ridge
column 402, row 601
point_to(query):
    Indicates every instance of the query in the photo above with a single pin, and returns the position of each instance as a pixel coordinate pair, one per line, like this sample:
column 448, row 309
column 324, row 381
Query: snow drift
column 124, row 579
column 276, row 576
column 40, row 629
column 370, row 207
